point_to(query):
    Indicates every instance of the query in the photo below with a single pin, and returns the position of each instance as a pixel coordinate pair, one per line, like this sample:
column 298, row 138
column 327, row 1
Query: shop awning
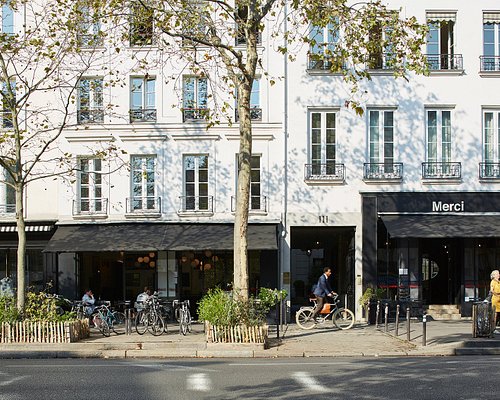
column 440, row 226
column 153, row 237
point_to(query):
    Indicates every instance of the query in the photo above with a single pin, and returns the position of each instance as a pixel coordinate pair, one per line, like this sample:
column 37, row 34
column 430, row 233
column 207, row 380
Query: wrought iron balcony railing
column 194, row 114
column 6, row 119
column 333, row 172
column 383, row 171
column 378, row 61
column 196, row 204
column 90, row 40
column 489, row 170
column 257, row 203
column 95, row 116
column 441, row 170
column 321, row 62
column 255, row 114
column 97, row 206
column 7, row 208
column 143, row 205
column 440, row 62
column 490, row 63
column 142, row 115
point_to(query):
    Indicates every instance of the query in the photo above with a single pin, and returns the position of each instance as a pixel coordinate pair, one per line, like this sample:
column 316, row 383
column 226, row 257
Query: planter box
column 236, row 334
column 44, row 332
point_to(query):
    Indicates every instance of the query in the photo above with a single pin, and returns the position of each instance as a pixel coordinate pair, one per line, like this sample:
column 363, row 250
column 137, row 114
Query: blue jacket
column 323, row 288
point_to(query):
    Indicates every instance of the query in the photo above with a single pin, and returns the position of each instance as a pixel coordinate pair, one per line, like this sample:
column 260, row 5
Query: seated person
column 88, row 301
column 142, row 298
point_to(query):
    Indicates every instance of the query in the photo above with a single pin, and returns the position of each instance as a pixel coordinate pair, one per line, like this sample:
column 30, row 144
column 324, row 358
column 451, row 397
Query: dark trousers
column 320, row 300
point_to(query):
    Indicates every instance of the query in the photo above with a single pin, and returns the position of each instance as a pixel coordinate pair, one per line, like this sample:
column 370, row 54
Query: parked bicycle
column 107, row 320
column 150, row 317
column 184, row 315
column 342, row 318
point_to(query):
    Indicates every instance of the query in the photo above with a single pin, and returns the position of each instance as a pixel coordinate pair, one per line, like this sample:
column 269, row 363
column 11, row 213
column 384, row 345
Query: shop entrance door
column 440, row 270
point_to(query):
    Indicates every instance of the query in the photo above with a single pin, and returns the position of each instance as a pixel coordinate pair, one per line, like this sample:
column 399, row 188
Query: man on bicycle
column 322, row 291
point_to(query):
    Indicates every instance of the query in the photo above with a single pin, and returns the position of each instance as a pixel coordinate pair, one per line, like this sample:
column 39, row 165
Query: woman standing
column 495, row 295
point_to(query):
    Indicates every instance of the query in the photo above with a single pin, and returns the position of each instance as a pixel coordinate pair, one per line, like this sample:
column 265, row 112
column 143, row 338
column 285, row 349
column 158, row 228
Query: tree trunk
column 21, row 247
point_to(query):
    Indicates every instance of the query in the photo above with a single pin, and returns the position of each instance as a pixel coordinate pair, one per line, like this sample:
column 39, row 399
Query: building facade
column 403, row 198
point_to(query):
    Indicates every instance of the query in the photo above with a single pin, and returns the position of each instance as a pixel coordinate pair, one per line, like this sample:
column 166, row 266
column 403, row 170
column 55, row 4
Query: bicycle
column 342, row 318
column 150, row 317
column 106, row 320
column 184, row 316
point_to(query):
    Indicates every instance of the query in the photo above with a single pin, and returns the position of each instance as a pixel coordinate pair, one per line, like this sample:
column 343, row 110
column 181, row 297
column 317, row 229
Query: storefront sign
column 439, row 206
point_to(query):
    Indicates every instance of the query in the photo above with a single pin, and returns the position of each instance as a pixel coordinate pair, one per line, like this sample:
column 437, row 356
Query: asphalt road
column 310, row 378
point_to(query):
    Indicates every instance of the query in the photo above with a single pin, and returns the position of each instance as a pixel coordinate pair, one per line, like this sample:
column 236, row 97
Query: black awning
column 217, row 237
column 153, row 237
column 119, row 237
column 440, row 226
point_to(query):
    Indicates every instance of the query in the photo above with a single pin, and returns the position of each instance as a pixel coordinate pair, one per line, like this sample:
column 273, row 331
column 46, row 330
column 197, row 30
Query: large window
column 196, row 196
column 141, row 25
column 438, row 136
column 491, row 127
column 142, row 99
column 322, row 46
column 323, row 130
column 194, row 98
column 241, row 18
column 381, row 136
column 90, row 200
column 255, row 107
column 490, row 61
column 143, row 184
column 7, row 193
column 381, row 50
column 90, row 101
column 441, row 42
column 7, row 103
column 89, row 29
column 257, row 201
column 7, row 17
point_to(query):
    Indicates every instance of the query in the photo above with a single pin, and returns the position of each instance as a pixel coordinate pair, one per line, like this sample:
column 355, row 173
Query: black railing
column 95, row 116
column 194, row 114
column 440, row 62
column 441, row 170
column 142, row 115
column 97, row 206
column 143, row 205
column 7, row 208
column 255, row 114
column 489, row 170
column 257, row 203
column 321, row 62
column 379, row 61
column 90, row 40
column 383, row 171
column 6, row 119
column 196, row 204
column 490, row 63
column 326, row 172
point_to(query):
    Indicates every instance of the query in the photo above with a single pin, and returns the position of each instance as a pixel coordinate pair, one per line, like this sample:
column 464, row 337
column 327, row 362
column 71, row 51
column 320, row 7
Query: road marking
column 12, row 380
column 198, row 382
column 309, row 382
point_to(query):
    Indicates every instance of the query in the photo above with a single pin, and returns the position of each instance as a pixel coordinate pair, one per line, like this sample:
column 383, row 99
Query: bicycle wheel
column 343, row 318
column 119, row 319
column 141, row 322
column 102, row 325
column 156, row 325
column 183, row 324
column 188, row 321
column 304, row 318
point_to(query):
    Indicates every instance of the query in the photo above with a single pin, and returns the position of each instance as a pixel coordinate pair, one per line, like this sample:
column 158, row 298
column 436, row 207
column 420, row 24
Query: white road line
column 12, row 380
column 198, row 382
column 309, row 382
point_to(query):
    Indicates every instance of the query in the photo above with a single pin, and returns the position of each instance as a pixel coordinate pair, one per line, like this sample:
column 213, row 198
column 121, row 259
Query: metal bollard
column 386, row 315
column 128, row 321
column 396, row 329
column 377, row 314
column 408, row 323
column 424, row 330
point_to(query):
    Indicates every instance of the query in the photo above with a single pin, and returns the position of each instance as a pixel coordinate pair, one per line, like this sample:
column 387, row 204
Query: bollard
column 424, row 330
column 377, row 314
column 396, row 329
column 128, row 321
column 408, row 323
column 386, row 315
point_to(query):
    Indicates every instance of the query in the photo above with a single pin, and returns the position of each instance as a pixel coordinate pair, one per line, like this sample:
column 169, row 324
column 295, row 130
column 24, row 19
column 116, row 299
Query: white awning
column 491, row 18
column 441, row 16
column 28, row 228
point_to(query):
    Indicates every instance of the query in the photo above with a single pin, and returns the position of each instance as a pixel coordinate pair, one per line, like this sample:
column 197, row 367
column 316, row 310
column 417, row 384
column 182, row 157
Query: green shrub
column 8, row 309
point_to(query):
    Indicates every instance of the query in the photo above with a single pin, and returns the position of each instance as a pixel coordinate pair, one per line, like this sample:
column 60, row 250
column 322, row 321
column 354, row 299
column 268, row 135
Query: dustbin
column 483, row 319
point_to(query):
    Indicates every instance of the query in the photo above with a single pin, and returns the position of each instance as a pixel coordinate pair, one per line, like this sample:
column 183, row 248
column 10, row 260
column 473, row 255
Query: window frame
column 95, row 94
column 141, row 29
column 193, row 188
column 323, row 143
column 440, row 156
column 94, row 185
column 142, row 198
column 381, row 143
column 7, row 9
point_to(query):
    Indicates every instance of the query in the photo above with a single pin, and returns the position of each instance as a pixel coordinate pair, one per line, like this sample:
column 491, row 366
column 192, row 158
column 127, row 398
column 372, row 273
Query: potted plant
column 368, row 301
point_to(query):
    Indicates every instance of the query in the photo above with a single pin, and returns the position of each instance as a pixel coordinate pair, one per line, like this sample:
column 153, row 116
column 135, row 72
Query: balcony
column 7, row 209
column 255, row 114
column 442, row 170
column 325, row 173
column 391, row 172
column 90, row 207
column 194, row 114
column 95, row 116
column 489, row 171
column 489, row 63
column 378, row 61
column 6, row 119
column 257, row 204
column 320, row 62
column 90, row 40
column 445, row 62
column 140, row 205
column 142, row 115
column 196, row 204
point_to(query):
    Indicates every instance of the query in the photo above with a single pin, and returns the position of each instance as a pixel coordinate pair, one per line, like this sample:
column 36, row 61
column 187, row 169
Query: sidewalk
column 442, row 338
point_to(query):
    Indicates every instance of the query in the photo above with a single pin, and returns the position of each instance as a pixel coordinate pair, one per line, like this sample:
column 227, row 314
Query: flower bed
column 44, row 331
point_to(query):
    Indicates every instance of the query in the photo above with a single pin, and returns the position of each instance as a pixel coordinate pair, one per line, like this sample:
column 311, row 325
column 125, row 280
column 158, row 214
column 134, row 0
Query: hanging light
column 151, row 255
column 140, row 259
column 146, row 259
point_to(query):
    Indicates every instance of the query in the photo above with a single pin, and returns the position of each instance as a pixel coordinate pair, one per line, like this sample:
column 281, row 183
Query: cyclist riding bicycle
column 322, row 290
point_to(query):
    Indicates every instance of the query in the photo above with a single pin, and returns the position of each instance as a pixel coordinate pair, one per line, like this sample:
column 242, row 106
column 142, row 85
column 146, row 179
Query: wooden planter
column 236, row 334
column 44, row 332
